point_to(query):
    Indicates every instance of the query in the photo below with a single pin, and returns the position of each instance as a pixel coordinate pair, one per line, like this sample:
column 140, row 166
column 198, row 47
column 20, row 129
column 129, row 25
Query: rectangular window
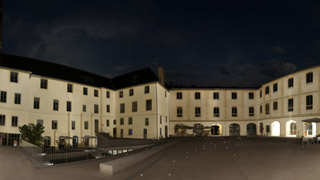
column 309, row 102
column 251, row 111
column 108, row 94
column 70, row 88
column 290, row 104
column 40, row 121
column 290, row 82
column 234, row 112
column 146, row 89
column 275, row 87
column 69, row 108
column 108, row 108
column 121, row 121
column 260, row 108
column 86, row 125
column 234, row 95
column 73, row 125
column 179, row 95
column 108, row 122
column 120, row 94
column 130, row 132
column 3, row 96
column 130, row 121
column 267, row 108
column 260, row 93
column 131, row 92
column 147, row 121
column 84, row 108
column 197, row 112
column 55, row 104
column 216, row 112
column 14, row 122
column 96, row 93
column 36, row 103
column 96, row 108
column 114, row 121
column 149, row 105
column 134, row 106
column 2, row 120
column 165, row 93
column 179, row 111
column 54, row 124
column 251, row 95
column 43, row 83
column 267, row 90
column 122, row 108
column 85, row 91
column 275, row 105
column 160, row 119
column 17, row 98
column 197, row 95
column 14, row 77
column 215, row 95
column 309, row 77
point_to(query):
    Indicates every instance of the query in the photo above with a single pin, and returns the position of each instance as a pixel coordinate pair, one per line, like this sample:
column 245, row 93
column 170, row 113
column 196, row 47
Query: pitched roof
column 49, row 69
column 134, row 78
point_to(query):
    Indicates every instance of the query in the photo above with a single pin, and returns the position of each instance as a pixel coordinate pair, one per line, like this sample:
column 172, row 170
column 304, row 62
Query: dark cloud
column 277, row 49
column 276, row 68
column 224, row 71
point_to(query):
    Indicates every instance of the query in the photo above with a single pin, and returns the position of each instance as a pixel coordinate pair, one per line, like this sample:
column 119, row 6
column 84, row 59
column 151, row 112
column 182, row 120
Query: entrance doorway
column 251, row 129
column 234, row 129
column 215, row 130
column 96, row 125
column 275, row 129
column 75, row 141
column 166, row 131
column 114, row 132
column 309, row 129
column 145, row 132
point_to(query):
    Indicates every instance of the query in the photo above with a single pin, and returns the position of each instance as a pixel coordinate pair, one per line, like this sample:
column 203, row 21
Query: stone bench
column 117, row 165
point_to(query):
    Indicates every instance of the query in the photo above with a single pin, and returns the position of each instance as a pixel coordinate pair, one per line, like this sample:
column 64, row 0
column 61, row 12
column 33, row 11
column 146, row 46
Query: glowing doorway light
column 275, row 129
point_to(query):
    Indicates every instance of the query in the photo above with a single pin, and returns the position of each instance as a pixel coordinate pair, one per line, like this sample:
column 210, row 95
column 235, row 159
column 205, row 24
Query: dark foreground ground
column 197, row 158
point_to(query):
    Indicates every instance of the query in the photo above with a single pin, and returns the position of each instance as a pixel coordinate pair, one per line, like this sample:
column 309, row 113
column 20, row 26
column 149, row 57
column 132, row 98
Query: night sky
column 201, row 43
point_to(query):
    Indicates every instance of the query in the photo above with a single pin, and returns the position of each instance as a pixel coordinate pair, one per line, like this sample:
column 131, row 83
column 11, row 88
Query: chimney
column 161, row 75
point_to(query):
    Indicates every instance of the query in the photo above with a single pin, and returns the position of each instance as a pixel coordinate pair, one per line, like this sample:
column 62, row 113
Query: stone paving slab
column 195, row 158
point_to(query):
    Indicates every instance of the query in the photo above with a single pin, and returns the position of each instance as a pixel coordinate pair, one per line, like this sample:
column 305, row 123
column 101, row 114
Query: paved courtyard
column 195, row 158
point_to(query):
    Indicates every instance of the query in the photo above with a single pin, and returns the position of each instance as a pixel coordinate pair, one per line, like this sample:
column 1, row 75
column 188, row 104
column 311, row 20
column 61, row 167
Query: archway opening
column 216, row 130
column 275, row 129
column 251, row 129
column 309, row 129
column 291, row 128
column 234, row 129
